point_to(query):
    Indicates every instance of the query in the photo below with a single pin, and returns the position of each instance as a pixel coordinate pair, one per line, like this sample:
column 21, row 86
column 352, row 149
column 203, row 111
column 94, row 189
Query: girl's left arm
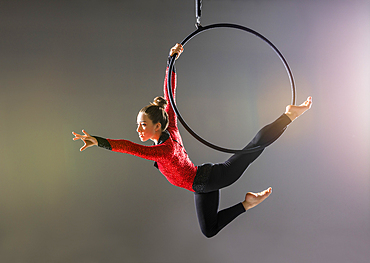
column 177, row 49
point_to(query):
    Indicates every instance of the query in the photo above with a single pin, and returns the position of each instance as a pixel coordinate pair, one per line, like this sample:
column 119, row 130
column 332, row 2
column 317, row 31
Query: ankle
column 292, row 116
column 245, row 205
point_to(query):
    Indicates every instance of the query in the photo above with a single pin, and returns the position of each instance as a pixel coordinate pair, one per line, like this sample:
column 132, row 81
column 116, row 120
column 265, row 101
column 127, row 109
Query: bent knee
column 208, row 233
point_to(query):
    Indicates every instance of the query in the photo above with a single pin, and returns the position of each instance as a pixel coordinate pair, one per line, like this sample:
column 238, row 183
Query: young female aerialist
column 158, row 122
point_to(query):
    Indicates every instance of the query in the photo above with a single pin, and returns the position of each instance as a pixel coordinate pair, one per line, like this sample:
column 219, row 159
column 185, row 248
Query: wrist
column 101, row 142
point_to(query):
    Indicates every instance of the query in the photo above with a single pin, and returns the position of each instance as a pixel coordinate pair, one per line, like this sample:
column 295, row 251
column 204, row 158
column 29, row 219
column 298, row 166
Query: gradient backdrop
column 72, row 65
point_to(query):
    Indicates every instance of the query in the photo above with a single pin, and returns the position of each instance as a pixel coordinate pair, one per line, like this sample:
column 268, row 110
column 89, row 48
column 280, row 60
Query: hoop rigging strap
column 199, row 30
column 198, row 12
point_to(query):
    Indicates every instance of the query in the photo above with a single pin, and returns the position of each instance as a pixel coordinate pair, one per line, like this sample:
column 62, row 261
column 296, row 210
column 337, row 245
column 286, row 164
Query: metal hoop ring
column 173, row 104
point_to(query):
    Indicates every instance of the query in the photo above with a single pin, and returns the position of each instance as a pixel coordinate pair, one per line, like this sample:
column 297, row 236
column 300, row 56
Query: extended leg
column 225, row 174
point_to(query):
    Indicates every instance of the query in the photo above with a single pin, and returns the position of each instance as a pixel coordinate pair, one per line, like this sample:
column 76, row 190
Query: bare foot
column 293, row 112
column 253, row 199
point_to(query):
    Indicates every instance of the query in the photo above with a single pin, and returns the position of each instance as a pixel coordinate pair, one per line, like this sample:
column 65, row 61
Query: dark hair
column 156, row 113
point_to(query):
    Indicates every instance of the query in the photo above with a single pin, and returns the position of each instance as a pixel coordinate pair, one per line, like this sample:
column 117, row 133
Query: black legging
column 211, row 220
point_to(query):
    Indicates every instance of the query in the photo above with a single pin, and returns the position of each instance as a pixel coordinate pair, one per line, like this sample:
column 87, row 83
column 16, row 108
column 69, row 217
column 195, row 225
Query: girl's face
column 146, row 129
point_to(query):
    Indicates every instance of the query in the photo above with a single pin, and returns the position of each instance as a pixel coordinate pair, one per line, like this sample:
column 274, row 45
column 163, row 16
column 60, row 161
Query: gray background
column 72, row 65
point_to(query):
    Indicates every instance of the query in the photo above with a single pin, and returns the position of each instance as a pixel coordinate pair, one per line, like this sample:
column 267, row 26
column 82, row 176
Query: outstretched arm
column 154, row 153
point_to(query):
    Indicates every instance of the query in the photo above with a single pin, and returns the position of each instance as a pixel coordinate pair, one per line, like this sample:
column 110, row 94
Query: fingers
column 178, row 45
column 83, row 147
column 86, row 138
column 177, row 49
column 80, row 136
column 86, row 133
column 77, row 136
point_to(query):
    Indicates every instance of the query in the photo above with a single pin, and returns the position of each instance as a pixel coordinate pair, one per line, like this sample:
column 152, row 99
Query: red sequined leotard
column 169, row 154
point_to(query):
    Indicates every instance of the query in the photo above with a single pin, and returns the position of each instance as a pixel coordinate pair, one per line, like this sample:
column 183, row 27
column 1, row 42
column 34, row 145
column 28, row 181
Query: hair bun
column 160, row 102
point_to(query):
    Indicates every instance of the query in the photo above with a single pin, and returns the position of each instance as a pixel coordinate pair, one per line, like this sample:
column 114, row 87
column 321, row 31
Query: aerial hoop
column 199, row 30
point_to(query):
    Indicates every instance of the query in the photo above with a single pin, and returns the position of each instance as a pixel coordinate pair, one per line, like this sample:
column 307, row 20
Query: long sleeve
column 170, row 156
column 172, row 126
column 154, row 153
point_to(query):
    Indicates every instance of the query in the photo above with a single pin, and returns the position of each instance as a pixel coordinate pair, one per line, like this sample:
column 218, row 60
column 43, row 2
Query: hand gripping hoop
column 199, row 30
